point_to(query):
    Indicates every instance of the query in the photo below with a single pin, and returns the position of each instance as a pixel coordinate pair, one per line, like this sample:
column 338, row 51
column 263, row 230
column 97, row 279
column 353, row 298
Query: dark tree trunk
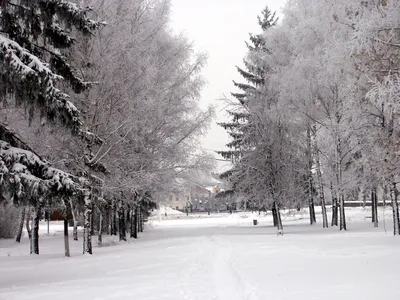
column 107, row 220
column 121, row 222
column 395, row 208
column 373, row 205
column 342, row 214
column 279, row 226
column 35, row 227
column 100, row 232
column 275, row 216
column 321, row 192
column 135, row 224
column 374, row 200
column 113, row 218
column 334, row 208
column 21, row 226
column 132, row 223
column 312, row 210
column 140, row 221
column 66, row 240
column 128, row 215
column 335, row 212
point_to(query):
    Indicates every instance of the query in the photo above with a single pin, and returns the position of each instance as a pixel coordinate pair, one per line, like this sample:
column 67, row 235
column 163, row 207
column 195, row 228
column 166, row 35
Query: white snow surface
column 166, row 210
column 221, row 257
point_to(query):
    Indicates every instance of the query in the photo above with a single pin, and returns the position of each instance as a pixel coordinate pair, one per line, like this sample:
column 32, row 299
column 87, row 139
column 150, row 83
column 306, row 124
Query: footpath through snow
column 223, row 258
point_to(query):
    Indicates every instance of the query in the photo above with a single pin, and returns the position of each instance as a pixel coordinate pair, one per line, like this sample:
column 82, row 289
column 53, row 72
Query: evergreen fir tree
column 34, row 38
column 34, row 35
column 254, row 76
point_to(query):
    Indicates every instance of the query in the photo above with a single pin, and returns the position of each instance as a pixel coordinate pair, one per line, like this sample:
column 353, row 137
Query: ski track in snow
column 215, row 259
column 228, row 283
column 189, row 273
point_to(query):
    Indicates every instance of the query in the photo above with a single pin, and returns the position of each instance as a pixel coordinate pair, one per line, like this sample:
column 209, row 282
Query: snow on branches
column 25, row 69
column 32, row 37
column 25, row 177
column 71, row 11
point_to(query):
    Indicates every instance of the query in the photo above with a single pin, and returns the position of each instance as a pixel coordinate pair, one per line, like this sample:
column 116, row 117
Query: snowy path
column 211, row 261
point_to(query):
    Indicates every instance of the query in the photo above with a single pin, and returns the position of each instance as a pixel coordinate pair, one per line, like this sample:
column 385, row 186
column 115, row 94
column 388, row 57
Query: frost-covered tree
column 254, row 75
column 145, row 107
column 331, row 79
column 34, row 38
column 376, row 47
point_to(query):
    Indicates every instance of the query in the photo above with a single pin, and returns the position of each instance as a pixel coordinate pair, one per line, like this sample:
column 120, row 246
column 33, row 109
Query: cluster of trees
column 99, row 111
column 318, row 115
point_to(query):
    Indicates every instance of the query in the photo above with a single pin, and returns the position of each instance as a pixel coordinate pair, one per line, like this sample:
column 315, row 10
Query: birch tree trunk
column 87, row 238
column 92, row 217
column 28, row 229
column 35, row 226
column 339, row 183
column 75, row 230
column 66, row 240
column 385, row 195
column 311, row 204
column 321, row 192
column 21, row 226
column 364, row 200
column 395, row 208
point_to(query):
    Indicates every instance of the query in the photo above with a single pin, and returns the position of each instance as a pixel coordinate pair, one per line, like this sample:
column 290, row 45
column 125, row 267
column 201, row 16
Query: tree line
column 99, row 112
column 316, row 119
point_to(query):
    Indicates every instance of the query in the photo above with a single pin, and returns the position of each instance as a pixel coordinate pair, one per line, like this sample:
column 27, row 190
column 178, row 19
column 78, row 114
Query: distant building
column 197, row 197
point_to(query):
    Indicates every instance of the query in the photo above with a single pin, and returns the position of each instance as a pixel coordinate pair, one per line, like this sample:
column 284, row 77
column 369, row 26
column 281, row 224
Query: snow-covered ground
column 218, row 257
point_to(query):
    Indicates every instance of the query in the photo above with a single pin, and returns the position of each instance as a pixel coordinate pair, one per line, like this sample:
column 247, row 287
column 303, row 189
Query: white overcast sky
column 219, row 27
